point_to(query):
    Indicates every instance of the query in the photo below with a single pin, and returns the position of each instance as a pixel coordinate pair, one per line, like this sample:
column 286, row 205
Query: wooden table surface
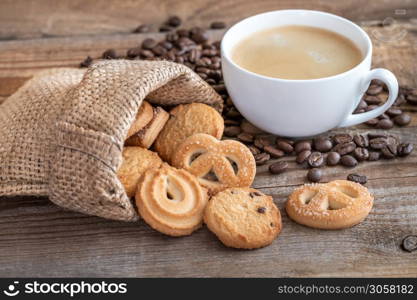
column 38, row 238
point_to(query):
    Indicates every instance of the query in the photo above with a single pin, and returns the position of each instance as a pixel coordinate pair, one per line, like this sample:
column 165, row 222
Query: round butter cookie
column 136, row 161
column 243, row 218
column 185, row 121
column 216, row 164
column 171, row 201
column 334, row 205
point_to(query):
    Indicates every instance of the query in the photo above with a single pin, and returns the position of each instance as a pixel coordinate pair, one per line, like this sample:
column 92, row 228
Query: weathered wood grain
column 50, row 18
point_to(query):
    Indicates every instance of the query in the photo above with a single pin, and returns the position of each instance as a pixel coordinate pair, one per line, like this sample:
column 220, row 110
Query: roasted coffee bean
column 142, row 29
column 348, row 161
column 314, row 175
column 374, row 89
column 333, row 158
column 262, row 158
column 86, row 62
column 174, row 21
column 378, row 143
column 373, row 135
column 289, row 141
column 285, row 146
column 412, row 99
column 254, row 150
column 371, row 107
column 245, row 137
column 232, row 131
column 389, row 151
column 264, row 140
column 394, row 111
column 149, row 43
column 146, row 54
column 362, row 105
column 342, row 138
column 361, row 140
column 344, row 148
column 372, row 122
column 229, row 122
column 361, row 154
column 249, row 128
column 274, row 152
column 302, row 146
column 402, row 120
column 315, row 160
column 233, row 113
column 109, row 54
column 400, row 100
column 409, row 243
column 383, row 116
column 133, row 52
column 362, row 179
column 405, row 149
column 165, row 28
column 217, row 25
column 199, row 35
column 323, row 144
column 372, row 100
column 385, row 124
column 302, row 156
column 278, row 167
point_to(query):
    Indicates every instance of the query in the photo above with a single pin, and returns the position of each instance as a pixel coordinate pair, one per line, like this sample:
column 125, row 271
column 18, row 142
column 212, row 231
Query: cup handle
column 389, row 79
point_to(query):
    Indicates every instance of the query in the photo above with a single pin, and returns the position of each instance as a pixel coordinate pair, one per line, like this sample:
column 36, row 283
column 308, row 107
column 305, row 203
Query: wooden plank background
column 38, row 238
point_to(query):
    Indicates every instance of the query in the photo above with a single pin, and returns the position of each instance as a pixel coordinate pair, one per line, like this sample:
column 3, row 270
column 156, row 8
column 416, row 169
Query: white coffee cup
column 300, row 108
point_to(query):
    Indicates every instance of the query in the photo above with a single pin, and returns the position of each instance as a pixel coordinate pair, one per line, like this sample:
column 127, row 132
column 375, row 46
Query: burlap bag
column 62, row 133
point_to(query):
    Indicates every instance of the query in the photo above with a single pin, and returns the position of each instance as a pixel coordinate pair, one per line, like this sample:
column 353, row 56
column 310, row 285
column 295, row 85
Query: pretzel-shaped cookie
column 334, row 205
column 216, row 164
column 171, row 200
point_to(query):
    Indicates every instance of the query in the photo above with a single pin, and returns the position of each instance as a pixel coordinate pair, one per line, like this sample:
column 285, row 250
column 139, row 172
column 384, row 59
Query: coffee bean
column 245, row 137
column 274, row 152
column 264, row 140
column 109, row 54
column 165, row 28
column 374, row 155
column 322, row 144
column 383, row 116
column 385, row 124
column 362, row 179
column 262, row 158
column 394, row 111
column 361, row 140
column 249, row 128
column 142, row 29
column 315, row 160
column 409, row 243
column 412, row 99
column 333, row 158
column 288, row 141
column 348, row 161
column 86, row 62
column 284, row 146
column 217, row 25
column 361, row 154
column 254, row 150
column 149, row 43
column 314, row 175
column 405, row 149
column 133, row 52
column 344, row 148
column 229, row 122
column 372, row 122
column 371, row 107
column 373, row 135
column 342, row 138
column 278, row 167
column 362, row 105
column 400, row 100
column 302, row 146
column 402, row 120
column 174, row 21
column 372, row 100
column 302, row 156
column 146, row 54
column 198, row 35
column 232, row 131
column 378, row 143
column 374, row 89
column 389, row 151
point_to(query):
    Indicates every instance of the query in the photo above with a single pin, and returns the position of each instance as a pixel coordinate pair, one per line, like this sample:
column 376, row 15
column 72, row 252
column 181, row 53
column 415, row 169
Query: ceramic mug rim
column 226, row 54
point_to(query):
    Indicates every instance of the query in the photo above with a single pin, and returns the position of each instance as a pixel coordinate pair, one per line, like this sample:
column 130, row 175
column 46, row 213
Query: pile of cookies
column 182, row 174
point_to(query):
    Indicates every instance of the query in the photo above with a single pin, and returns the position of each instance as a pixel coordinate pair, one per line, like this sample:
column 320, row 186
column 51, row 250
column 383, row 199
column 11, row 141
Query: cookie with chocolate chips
column 243, row 218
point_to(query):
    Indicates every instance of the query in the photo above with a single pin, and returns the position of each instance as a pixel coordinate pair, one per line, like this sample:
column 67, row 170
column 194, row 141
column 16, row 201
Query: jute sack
column 62, row 133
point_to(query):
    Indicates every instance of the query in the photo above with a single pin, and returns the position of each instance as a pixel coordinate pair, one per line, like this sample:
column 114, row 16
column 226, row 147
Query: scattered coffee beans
column 278, row 167
column 362, row 179
column 348, row 161
column 302, row 156
column 315, row 160
column 333, row 158
column 405, row 149
column 323, row 144
column 314, row 175
column 262, row 158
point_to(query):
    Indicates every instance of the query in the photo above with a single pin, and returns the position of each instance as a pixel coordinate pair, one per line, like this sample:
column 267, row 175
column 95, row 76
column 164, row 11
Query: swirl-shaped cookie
column 171, row 200
column 334, row 205
column 216, row 164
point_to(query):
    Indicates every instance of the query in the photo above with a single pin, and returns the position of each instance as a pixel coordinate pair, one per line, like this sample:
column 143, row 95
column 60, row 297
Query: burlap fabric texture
column 62, row 133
